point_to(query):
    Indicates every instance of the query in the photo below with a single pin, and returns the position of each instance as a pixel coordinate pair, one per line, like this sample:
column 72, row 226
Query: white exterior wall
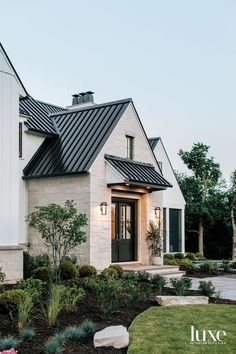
column 9, row 176
column 11, row 254
column 30, row 144
column 100, row 227
column 172, row 197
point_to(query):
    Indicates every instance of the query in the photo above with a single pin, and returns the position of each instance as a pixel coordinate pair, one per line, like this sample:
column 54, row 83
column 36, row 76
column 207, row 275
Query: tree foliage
column 232, row 202
column 200, row 189
column 60, row 227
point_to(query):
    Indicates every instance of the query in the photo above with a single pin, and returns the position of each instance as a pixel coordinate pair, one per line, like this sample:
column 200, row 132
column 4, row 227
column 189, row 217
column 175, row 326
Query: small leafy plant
column 207, row 288
column 88, row 328
column 27, row 334
column 118, row 268
column 209, row 267
column 73, row 333
column 181, row 285
column 109, row 273
column 143, row 276
column 53, row 345
column 226, row 265
column 158, row 282
column 71, row 296
column 9, row 343
column 34, row 287
column 130, row 292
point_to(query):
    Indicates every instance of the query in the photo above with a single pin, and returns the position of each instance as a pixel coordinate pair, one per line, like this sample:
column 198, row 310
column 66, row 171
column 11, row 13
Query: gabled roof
column 139, row 173
column 81, row 135
column 39, row 113
column 23, row 89
column 153, row 142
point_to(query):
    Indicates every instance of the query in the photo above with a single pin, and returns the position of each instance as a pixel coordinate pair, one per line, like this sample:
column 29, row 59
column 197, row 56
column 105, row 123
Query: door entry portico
column 123, row 230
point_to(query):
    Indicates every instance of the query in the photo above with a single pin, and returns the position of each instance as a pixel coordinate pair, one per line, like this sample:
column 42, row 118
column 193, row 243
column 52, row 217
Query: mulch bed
column 87, row 310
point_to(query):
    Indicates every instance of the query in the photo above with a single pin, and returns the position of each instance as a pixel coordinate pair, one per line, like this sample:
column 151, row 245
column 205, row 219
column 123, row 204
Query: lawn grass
column 167, row 330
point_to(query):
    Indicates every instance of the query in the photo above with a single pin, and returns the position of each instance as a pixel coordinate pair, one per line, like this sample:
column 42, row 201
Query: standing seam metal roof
column 153, row 142
column 40, row 119
column 82, row 134
column 135, row 171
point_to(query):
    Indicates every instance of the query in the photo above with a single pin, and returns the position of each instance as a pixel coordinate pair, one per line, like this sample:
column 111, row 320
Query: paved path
column 226, row 285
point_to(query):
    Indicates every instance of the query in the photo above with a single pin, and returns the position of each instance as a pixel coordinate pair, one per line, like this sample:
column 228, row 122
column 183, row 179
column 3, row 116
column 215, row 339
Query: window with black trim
column 130, row 147
column 20, row 138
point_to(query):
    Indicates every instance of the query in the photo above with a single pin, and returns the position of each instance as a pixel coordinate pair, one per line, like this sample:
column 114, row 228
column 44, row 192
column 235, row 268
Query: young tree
column 232, row 200
column 60, row 227
column 206, row 174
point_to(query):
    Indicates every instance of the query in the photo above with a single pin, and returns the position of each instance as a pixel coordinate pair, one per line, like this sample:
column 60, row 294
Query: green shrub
column 25, row 308
column 226, row 265
column 33, row 262
column 199, row 255
column 143, row 276
column 209, row 267
column 68, row 270
column 206, row 288
column 53, row 345
column 109, row 273
column 190, row 256
column 168, row 256
column 91, row 283
column 27, row 334
column 71, row 296
column 158, row 282
column 73, row 259
column 55, row 304
column 181, row 285
column 9, row 343
column 45, row 274
column 118, row 268
column 88, row 328
column 179, row 255
column 10, row 299
column 34, row 287
column 87, row 270
column 73, row 333
column 130, row 292
column 187, row 265
column 130, row 275
column 171, row 262
column 108, row 296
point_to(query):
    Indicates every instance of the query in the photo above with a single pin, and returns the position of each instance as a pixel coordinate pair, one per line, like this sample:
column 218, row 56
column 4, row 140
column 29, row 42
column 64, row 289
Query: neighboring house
column 96, row 154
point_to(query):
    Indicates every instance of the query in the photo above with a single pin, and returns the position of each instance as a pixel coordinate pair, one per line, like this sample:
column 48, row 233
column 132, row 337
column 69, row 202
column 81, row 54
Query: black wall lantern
column 157, row 211
column 103, row 208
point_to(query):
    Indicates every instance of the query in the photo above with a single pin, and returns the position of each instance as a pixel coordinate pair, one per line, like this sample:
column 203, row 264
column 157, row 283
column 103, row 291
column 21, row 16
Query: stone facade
column 11, row 262
column 58, row 190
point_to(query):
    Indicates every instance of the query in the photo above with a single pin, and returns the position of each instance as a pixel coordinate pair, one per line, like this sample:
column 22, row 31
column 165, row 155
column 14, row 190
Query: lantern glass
column 103, row 208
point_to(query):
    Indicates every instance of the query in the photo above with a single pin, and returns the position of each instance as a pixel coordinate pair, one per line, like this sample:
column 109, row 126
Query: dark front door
column 175, row 230
column 123, row 230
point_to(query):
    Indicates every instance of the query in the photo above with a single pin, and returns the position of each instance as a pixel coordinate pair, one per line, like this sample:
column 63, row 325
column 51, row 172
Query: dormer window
column 130, row 146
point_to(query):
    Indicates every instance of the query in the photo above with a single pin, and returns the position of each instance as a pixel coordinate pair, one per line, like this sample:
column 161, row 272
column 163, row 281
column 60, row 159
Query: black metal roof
column 81, row 135
column 153, row 142
column 39, row 112
column 138, row 172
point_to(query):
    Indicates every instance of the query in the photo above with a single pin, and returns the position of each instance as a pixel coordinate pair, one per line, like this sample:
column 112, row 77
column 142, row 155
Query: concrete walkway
column 226, row 285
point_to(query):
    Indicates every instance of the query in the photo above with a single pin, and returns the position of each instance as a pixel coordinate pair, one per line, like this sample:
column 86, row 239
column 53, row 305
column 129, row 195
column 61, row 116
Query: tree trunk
column 233, row 222
column 200, row 236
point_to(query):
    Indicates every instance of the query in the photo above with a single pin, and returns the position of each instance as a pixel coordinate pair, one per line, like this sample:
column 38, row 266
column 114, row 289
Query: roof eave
column 60, row 174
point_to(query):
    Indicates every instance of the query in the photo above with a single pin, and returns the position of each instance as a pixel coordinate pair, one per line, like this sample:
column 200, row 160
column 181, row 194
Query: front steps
column 165, row 270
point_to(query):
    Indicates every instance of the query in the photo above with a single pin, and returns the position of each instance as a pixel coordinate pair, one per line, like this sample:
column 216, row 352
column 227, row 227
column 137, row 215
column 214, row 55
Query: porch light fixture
column 103, row 208
column 157, row 211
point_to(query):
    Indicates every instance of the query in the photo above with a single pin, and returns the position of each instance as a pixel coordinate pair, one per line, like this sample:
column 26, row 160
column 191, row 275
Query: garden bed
column 86, row 310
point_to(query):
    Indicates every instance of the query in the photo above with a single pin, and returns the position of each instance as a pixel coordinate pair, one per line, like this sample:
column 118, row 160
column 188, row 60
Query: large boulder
column 112, row 336
column 182, row 300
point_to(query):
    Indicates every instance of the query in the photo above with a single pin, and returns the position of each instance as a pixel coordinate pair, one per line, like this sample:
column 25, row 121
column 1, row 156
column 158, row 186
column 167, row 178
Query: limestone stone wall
column 57, row 190
column 11, row 262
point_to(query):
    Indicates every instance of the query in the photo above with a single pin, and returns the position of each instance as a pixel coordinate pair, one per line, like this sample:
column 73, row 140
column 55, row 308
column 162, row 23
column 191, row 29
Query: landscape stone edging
column 182, row 300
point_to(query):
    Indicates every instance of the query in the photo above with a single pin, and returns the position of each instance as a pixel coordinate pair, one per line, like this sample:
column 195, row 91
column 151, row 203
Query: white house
column 96, row 154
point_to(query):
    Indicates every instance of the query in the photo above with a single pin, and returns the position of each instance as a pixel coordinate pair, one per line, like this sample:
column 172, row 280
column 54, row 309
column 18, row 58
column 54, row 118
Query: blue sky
column 176, row 59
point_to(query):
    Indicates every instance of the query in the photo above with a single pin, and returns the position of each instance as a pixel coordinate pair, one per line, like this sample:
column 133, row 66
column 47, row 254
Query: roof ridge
column 125, row 159
column 100, row 105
